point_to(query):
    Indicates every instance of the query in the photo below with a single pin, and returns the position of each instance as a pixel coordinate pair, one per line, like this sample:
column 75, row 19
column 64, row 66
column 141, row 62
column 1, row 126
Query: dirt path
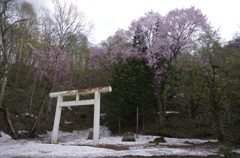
column 210, row 156
column 204, row 147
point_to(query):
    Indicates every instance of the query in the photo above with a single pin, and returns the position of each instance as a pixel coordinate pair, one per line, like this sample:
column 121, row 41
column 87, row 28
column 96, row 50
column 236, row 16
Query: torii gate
column 77, row 102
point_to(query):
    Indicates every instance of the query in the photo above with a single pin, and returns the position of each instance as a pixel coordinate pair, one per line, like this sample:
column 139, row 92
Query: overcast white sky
column 110, row 15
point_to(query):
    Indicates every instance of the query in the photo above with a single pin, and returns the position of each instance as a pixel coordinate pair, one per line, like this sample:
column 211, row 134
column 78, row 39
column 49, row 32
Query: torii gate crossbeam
column 77, row 102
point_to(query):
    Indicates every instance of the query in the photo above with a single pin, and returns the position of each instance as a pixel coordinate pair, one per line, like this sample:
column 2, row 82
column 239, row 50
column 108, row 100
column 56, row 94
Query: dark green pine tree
column 132, row 87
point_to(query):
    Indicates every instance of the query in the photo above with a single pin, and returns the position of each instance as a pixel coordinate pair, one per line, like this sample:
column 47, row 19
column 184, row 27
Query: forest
column 173, row 71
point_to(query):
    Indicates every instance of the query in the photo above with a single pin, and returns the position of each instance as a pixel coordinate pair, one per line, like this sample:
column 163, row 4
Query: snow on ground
column 75, row 144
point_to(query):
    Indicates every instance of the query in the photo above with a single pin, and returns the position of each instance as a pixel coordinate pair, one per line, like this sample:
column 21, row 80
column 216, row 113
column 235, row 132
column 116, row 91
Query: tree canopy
column 173, row 69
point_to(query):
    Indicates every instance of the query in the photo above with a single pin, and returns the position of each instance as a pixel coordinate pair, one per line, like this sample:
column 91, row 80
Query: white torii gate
column 77, row 102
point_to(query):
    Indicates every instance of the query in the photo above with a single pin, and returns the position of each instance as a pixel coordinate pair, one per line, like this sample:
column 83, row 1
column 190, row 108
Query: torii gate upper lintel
column 77, row 102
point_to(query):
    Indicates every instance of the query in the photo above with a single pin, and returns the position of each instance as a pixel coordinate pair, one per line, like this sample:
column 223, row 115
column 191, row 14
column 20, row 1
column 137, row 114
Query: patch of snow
column 69, row 108
column 22, row 132
column 67, row 122
column 29, row 115
column 236, row 151
column 185, row 142
column 75, row 144
column 172, row 112
column 37, row 149
column 4, row 137
column 103, row 115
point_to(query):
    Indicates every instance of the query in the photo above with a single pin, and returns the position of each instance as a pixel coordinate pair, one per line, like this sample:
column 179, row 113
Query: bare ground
column 204, row 146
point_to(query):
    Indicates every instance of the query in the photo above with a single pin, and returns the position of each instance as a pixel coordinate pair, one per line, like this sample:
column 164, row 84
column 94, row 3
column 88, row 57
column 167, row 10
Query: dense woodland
column 173, row 69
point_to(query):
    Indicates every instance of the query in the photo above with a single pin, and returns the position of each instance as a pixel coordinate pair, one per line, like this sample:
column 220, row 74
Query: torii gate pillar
column 77, row 102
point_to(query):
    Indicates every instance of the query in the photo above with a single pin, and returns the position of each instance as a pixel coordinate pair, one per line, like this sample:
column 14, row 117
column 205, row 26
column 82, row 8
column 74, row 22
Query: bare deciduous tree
column 8, row 23
column 16, row 20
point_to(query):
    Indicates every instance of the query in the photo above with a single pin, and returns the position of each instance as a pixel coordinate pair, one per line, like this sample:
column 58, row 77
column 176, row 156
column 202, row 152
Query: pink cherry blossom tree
column 54, row 66
column 115, row 48
column 165, row 38
column 159, row 40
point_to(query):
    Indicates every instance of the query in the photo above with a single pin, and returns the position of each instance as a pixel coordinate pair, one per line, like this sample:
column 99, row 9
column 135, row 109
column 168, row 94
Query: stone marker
column 90, row 136
column 128, row 137
column 160, row 140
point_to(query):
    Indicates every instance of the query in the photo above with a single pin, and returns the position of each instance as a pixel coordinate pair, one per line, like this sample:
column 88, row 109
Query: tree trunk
column 218, row 126
column 13, row 131
column 119, row 122
column 34, row 128
column 219, row 132
column 32, row 95
column 143, row 121
column 3, row 87
column 164, row 107
column 161, row 105
column 193, row 109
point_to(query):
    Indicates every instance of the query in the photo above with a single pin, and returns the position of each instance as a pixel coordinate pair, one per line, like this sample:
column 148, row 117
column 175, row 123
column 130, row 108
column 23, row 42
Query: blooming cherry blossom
column 54, row 66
